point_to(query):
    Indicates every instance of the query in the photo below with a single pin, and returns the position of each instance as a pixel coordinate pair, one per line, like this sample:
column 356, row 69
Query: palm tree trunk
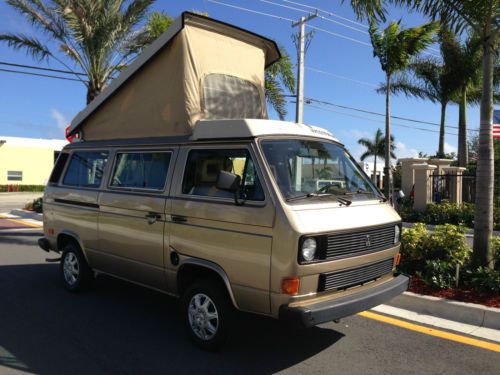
column 442, row 130
column 93, row 89
column 463, row 155
column 375, row 170
column 387, row 168
column 483, row 215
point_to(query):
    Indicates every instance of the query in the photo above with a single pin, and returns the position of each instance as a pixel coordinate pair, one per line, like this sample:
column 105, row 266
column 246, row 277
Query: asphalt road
column 119, row 328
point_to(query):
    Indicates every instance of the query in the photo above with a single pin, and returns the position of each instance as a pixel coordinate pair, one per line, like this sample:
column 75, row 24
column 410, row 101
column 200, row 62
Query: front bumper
column 311, row 315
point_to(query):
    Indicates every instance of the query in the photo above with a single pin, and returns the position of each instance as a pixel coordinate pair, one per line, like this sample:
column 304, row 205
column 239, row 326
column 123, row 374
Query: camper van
column 176, row 180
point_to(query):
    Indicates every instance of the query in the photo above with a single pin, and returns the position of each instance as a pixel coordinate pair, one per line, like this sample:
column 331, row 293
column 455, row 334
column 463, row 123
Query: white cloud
column 449, row 148
column 403, row 151
column 59, row 118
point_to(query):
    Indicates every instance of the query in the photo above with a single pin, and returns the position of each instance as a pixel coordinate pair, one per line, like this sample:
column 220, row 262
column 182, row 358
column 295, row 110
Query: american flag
column 496, row 123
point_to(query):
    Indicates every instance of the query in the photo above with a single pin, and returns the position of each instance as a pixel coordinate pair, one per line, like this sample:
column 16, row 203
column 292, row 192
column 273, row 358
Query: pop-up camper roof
column 199, row 68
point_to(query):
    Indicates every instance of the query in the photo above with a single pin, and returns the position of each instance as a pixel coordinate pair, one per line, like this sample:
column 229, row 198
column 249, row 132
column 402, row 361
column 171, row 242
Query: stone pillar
column 455, row 183
column 423, row 185
column 440, row 164
column 408, row 173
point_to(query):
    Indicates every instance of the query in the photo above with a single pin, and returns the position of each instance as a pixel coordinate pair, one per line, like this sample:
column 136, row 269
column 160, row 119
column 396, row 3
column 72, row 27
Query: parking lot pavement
column 120, row 328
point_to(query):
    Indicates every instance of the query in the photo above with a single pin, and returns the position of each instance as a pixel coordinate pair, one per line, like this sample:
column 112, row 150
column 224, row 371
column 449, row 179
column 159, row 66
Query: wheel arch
column 192, row 269
column 67, row 236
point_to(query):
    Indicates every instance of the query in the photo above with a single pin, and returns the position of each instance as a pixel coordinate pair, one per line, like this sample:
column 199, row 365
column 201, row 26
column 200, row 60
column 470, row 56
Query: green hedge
column 22, row 188
column 434, row 256
column 443, row 213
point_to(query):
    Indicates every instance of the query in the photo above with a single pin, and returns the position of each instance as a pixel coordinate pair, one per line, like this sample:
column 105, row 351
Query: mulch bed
column 462, row 295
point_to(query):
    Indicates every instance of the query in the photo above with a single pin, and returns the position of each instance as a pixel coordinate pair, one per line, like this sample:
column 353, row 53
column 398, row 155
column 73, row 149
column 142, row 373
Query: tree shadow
column 117, row 327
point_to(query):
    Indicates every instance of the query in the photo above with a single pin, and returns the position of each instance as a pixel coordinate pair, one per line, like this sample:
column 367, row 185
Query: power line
column 374, row 120
column 378, row 113
column 331, row 14
column 250, row 10
column 41, row 68
column 319, row 16
column 341, row 77
column 288, row 19
column 39, row 75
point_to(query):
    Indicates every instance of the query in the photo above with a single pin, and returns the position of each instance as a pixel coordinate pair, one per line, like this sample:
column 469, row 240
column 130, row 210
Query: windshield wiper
column 341, row 200
column 308, row 195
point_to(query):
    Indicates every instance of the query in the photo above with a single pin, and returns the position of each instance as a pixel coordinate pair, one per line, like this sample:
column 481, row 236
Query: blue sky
column 41, row 107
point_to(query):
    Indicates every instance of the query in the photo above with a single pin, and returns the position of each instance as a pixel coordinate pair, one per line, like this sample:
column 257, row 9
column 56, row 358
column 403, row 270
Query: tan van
column 261, row 216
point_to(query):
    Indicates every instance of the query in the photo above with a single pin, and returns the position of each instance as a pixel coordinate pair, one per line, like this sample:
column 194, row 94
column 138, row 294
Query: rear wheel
column 208, row 314
column 76, row 273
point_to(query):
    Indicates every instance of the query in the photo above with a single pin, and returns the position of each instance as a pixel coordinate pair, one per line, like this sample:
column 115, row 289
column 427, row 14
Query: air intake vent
column 346, row 245
column 355, row 276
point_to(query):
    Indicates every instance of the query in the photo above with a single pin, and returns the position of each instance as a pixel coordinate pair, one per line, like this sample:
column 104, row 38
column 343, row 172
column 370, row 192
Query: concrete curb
column 468, row 313
column 25, row 214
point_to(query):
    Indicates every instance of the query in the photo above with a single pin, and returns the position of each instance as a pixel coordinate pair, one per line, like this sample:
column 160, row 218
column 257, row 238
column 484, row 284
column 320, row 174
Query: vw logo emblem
column 367, row 241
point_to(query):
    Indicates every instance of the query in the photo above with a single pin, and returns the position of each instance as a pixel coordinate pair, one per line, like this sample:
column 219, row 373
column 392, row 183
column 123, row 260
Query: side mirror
column 228, row 181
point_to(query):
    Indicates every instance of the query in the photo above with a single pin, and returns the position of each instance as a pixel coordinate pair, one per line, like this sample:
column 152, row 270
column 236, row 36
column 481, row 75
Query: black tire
column 78, row 275
column 218, row 302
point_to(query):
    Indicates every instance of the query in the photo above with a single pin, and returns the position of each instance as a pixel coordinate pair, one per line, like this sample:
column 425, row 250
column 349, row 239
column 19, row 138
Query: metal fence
column 441, row 184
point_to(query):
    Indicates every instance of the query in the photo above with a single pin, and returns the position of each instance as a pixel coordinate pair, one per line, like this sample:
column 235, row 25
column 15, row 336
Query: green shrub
column 438, row 274
column 495, row 242
column 22, row 188
column 448, row 243
column 483, row 279
column 36, row 205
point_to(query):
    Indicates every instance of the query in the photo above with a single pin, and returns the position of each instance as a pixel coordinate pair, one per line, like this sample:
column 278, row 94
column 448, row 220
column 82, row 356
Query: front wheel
column 208, row 314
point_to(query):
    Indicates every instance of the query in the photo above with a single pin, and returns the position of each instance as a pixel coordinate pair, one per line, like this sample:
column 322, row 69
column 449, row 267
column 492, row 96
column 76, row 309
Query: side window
column 203, row 167
column 141, row 170
column 86, row 168
column 58, row 168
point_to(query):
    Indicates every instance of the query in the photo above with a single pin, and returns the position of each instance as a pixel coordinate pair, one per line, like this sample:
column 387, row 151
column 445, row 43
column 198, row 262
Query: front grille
column 355, row 276
column 345, row 245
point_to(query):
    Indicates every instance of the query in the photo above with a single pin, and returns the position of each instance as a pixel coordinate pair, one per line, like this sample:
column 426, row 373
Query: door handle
column 179, row 219
column 153, row 217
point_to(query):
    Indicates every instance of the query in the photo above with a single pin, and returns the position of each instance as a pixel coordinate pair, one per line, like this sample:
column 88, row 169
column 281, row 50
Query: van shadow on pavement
column 117, row 327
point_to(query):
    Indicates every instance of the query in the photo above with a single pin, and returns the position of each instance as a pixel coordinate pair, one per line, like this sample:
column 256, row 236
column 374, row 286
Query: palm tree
column 88, row 33
column 481, row 17
column 395, row 47
column 465, row 64
column 376, row 148
column 428, row 79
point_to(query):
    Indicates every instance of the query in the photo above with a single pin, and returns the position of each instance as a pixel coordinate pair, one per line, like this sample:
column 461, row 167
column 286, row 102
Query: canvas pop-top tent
column 199, row 68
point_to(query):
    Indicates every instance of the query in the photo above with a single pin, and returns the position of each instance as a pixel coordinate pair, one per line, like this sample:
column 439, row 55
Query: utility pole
column 299, row 110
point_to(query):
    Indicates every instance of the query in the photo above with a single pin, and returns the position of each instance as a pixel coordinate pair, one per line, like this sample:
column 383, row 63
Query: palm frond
column 33, row 47
column 368, row 9
column 275, row 95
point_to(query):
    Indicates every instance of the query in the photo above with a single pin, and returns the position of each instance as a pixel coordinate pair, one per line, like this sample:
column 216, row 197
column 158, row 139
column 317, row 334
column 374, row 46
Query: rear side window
column 86, row 168
column 141, row 170
column 203, row 167
column 58, row 168
column 229, row 97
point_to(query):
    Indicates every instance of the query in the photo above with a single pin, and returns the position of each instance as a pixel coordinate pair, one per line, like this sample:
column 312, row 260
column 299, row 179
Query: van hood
column 327, row 218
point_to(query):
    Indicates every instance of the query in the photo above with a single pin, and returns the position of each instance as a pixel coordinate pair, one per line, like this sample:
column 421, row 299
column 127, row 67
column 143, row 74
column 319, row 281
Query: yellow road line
column 431, row 331
column 21, row 222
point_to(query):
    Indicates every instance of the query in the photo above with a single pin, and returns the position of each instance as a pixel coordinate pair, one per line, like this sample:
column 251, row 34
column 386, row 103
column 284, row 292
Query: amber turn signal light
column 398, row 259
column 290, row 286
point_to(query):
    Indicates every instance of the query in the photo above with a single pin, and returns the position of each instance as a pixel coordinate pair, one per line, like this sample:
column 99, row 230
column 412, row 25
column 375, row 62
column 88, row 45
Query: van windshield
column 308, row 168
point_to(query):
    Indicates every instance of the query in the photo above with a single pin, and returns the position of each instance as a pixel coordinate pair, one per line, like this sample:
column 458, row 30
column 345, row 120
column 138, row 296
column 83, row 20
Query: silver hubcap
column 71, row 268
column 203, row 316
